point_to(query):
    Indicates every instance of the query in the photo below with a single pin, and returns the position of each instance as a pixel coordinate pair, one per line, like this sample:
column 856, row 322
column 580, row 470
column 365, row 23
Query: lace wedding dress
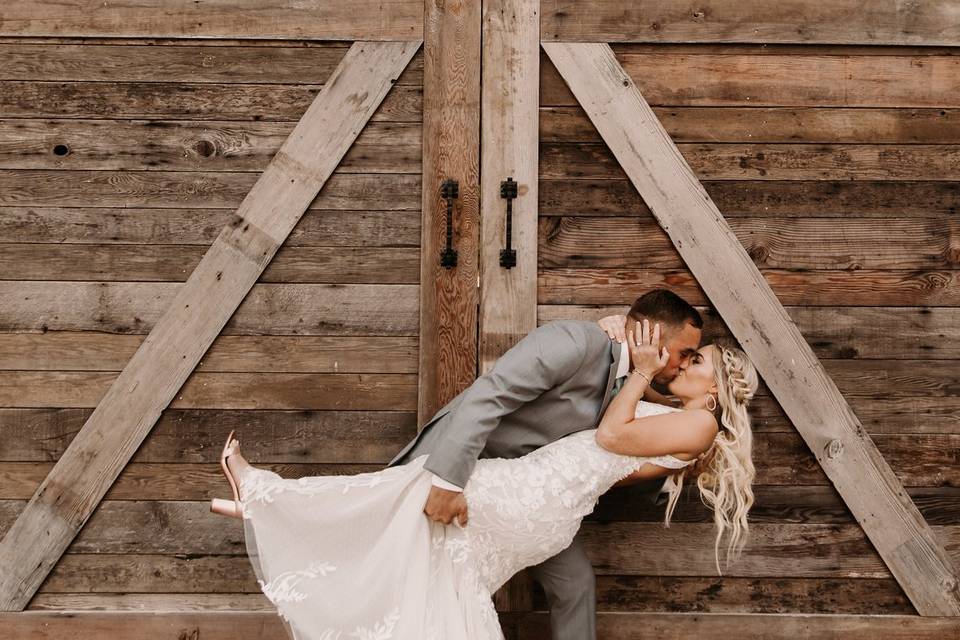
column 355, row 556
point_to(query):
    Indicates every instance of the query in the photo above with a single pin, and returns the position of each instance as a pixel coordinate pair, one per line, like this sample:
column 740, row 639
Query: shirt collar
column 624, row 360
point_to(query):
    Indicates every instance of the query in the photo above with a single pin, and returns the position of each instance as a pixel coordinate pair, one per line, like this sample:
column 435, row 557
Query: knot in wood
column 834, row 448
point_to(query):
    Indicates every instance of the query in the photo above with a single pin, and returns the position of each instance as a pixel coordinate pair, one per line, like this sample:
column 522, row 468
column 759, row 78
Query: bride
column 356, row 557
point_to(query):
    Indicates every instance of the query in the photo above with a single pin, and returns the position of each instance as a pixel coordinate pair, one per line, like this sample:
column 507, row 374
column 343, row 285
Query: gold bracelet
column 647, row 378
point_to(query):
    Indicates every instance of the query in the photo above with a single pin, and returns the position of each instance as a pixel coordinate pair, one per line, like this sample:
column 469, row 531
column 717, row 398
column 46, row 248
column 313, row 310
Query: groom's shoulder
column 585, row 333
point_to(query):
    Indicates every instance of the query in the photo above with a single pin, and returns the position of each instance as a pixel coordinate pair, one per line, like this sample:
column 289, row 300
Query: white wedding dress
column 355, row 556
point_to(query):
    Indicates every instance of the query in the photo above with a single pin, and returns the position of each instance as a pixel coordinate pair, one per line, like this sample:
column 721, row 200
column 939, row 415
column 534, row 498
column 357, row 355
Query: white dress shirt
column 621, row 372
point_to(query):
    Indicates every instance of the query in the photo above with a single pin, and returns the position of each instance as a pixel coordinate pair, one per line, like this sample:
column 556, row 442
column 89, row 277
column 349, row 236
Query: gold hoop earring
column 714, row 407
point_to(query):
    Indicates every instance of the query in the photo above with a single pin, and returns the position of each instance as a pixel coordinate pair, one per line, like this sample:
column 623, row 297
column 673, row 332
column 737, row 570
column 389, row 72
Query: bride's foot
column 236, row 462
column 234, row 465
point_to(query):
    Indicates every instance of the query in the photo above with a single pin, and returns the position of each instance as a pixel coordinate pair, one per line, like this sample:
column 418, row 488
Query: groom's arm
column 545, row 357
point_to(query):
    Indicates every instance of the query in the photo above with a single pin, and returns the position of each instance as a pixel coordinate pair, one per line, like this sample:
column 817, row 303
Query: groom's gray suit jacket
column 556, row 381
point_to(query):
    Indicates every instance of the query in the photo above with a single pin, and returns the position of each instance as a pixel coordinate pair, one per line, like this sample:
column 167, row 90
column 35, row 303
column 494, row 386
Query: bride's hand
column 646, row 354
column 614, row 326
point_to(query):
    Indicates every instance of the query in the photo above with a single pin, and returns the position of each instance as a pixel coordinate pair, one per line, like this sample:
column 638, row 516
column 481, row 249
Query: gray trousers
column 571, row 589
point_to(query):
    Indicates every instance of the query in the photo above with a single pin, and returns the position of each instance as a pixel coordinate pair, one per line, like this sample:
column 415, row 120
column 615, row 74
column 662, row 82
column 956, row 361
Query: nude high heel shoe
column 232, row 508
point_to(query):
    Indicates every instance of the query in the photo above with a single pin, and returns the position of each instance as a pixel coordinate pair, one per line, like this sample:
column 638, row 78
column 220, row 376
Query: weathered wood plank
column 265, row 61
column 135, row 225
column 789, row 243
column 192, row 190
column 509, row 149
column 94, row 351
column 184, row 101
column 451, row 151
column 315, row 19
column 831, row 125
column 747, row 161
column 125, row 415
column 171, row 145
column 175, row 263
column 761, row 199
column 897, row 530
column 840, row 21
column 795, row 79
column 274, row 309
column 308, row 391
column 812, row 288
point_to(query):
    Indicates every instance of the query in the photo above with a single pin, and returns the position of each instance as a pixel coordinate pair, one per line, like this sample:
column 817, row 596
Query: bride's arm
column 690, row 431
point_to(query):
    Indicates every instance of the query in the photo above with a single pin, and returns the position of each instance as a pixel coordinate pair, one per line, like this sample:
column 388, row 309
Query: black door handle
column 508, row 190
column 449, row 190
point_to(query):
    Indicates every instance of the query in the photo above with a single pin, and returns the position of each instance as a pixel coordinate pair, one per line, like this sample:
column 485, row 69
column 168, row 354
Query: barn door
column 196, row 315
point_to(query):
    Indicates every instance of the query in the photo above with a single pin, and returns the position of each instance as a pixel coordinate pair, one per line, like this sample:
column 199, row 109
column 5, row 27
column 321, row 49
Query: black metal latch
column 449, row 190
column 508, row 190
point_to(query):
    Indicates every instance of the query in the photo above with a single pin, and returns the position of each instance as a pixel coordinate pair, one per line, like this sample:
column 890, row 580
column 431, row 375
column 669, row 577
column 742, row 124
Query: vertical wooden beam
column 749, row 307
column 509, row 148
column 200, row 309
column 451, row 149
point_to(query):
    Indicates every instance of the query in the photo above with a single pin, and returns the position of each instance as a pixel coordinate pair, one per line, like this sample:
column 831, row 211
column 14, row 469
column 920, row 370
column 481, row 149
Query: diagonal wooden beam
column 745, row 301
column 200, row 309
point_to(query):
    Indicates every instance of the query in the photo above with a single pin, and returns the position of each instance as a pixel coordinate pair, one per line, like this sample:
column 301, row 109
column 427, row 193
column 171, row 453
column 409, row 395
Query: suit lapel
column 615, row 349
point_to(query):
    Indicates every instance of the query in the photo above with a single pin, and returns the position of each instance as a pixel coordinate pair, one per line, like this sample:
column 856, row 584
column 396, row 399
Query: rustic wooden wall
column 837, row 169
column 120, row 161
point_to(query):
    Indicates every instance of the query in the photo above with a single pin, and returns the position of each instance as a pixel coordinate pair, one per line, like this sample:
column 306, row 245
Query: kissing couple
column 500, row 480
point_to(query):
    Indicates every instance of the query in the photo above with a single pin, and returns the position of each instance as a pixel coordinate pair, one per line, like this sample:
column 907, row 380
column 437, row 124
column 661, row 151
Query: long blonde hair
column 725, row 471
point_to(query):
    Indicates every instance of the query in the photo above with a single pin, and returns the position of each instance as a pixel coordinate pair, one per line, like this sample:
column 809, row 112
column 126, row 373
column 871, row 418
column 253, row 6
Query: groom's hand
column 444, row 505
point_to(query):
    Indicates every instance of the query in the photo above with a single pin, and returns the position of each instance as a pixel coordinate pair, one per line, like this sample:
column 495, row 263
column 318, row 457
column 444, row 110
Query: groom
column 556, row 381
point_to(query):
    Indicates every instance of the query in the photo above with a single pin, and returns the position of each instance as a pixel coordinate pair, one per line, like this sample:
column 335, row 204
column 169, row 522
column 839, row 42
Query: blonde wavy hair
column 725, row 472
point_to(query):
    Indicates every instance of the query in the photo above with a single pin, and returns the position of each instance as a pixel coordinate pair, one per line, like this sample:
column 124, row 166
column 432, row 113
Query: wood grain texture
column 95, row 351
column 753, row 313
column 840, row 21
column 763, row 199
column 287, row 61
column 786, row 243
column 820, row 287
column 451, row 150
column 772, row 161
column 176, row 145
column 268, row 309
column 509, row 148
column 794, row 79
column 316, row 19
column 68, row 496
column 265, row 625
column 184, row 101
column 827, row 125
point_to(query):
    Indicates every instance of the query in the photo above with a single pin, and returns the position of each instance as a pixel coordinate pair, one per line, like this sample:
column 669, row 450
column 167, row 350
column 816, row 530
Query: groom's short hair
column 664, row 306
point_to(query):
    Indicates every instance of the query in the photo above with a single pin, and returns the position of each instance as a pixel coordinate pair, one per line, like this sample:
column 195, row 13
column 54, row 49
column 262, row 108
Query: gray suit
column 556, row 381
